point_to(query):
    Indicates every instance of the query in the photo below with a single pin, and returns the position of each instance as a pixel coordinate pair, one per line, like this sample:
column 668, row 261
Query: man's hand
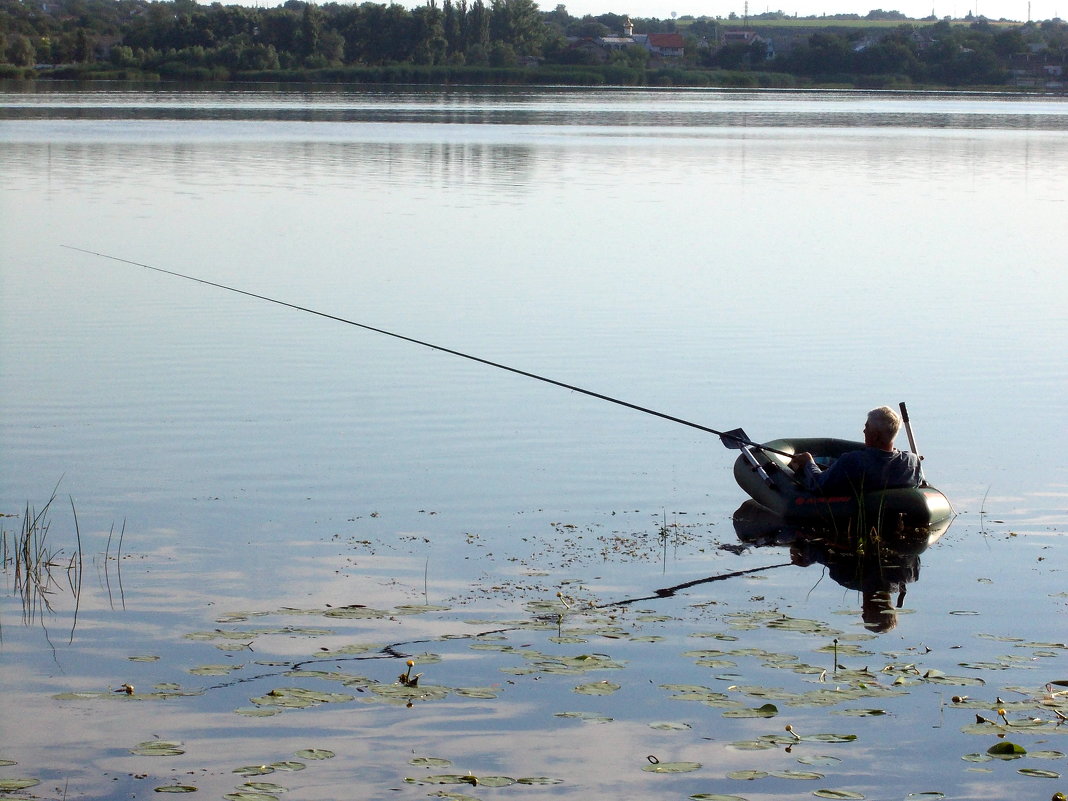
column 800, row 460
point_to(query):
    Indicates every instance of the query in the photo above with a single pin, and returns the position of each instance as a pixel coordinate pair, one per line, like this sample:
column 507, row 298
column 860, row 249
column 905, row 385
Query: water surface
column 779, row 261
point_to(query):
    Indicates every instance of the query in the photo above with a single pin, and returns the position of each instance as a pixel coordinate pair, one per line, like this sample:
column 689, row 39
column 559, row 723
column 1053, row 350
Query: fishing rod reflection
column 876, row 561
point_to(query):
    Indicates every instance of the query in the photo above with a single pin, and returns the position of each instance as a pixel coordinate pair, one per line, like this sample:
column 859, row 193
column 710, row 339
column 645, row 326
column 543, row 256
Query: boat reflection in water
column 877, row 562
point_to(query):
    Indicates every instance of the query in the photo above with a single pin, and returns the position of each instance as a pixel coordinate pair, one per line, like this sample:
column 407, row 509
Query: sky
column 992, row 9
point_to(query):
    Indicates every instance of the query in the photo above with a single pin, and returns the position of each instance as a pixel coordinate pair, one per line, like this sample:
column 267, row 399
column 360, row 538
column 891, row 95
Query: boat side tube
column 773, row 484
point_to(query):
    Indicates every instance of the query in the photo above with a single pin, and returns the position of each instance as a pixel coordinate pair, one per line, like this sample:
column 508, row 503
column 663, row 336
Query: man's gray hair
column 885, row 422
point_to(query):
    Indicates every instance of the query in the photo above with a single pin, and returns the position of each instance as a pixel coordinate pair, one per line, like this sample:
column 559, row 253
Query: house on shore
column 662, row 46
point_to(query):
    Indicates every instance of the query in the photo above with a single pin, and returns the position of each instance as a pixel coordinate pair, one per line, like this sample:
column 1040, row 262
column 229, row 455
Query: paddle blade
column 734, row 440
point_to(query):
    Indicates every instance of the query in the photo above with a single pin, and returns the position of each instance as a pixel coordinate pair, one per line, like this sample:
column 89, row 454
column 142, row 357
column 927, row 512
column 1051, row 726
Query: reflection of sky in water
column 519, row 732
column 781, row 279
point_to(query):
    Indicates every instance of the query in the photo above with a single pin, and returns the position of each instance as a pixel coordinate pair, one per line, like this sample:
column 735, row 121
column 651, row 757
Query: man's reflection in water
column 877, row 564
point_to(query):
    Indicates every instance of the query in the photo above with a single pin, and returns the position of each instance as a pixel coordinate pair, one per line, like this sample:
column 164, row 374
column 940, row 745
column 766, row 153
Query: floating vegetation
column 265, row 787
column 215, row 670
column 255, row 770
column 656, row 766
column 765, row 711
column 1038, row 773
column 1006, row 750
column 14, row 785
column 467, row 778
column 590, row 717
column 596, row 688
column 819, row 675
column 818, row 759
column 299, row 698
column 563, row 665
column 747, row 775
column 38, row 569
column 158, row 748
column 801, row 775
column 250, row 795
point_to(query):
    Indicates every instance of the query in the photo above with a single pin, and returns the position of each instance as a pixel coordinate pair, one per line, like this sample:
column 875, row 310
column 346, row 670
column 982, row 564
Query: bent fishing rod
column 735, row 439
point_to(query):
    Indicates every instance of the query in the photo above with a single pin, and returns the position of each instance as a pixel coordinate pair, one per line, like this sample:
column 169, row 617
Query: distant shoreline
column 586, row 78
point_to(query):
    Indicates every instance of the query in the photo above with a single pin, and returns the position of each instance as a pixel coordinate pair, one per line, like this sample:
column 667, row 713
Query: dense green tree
column 428, row 35
column 21, row 51
column 311, row 28
column 517, row 23
column 185, row 38
column 83, row 48
column 478, row 31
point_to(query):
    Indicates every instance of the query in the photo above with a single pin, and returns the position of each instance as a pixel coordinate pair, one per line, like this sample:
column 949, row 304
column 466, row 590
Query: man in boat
column 878, row 466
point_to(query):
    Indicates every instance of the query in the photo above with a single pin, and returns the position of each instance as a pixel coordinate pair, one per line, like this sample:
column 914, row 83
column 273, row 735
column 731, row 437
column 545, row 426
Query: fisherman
column 879, row 466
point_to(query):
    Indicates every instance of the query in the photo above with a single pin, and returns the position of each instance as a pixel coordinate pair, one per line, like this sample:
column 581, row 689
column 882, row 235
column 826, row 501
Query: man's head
column 881, row 428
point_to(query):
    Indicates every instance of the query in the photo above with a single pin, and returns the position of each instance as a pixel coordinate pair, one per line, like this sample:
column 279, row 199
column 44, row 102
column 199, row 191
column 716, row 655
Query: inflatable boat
column 763, row 471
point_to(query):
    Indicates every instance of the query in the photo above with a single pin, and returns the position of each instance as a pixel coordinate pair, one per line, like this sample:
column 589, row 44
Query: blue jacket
column 869, row 470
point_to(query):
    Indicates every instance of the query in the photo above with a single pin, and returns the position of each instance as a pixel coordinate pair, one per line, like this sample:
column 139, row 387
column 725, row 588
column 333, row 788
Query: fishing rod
column 735, row 439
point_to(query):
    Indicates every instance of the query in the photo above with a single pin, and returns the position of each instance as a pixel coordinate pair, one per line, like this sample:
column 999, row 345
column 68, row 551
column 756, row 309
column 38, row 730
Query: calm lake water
column 304, row 506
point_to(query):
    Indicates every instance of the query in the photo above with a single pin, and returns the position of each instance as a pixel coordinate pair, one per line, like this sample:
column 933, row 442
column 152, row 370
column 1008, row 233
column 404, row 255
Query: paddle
column 737, row 439
column 908, row 429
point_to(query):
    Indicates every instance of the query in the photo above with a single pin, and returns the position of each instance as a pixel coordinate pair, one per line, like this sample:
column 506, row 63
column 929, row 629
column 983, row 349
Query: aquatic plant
column 34, row 563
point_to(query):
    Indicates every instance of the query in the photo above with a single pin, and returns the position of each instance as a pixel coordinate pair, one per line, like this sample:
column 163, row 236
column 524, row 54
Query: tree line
column 501, row 41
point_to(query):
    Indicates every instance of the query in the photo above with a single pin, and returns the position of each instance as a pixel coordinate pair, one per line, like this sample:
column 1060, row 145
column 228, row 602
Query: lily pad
column 298, row 697
column 254, row 770
column 266, row 787
column 752, row 745
column 444, row 778
column 176, row 788
column 1039, row 774
column 475, row 692
column 831, row 738
column 587, row 716
column 495, row 781
column 841, row 794
column 716, row 797
column 12, row 785
column 671, row 767
column 747, row 775
column 1006, row 749
column 214, row 670
column 158, row 748
column 804, row 775
column 596, row 688
column 818, row 759
column 765, row 711
column 314, row 753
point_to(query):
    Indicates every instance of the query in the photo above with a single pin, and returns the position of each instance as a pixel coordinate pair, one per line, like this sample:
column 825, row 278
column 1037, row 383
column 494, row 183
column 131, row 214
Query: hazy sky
column 994, row 9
